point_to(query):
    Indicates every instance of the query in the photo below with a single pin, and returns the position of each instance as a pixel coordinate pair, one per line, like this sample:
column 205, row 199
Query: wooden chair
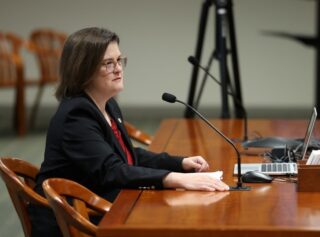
column 73, row 221
column 138, row 135
column 12, row 75
column 19, row 177
column 47, row 45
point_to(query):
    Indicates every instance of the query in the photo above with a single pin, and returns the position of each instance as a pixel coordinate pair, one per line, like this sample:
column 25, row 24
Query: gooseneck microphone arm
column 196, row 63
column 172, row 99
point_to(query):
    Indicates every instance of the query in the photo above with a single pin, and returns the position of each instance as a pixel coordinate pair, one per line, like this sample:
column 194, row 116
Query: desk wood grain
column 274, row 209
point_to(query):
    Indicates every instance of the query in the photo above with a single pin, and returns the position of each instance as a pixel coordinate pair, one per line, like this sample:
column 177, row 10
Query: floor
column 31, row 148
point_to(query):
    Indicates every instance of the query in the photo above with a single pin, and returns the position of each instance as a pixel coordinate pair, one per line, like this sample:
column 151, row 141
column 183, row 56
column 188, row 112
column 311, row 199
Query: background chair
column 19, row 177
column 73, row 222
column 12, row 75
column 46, row 44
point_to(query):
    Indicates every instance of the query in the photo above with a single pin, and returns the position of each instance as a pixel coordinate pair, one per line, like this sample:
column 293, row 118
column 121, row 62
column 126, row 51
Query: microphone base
column 271, row 142
column 240, row 188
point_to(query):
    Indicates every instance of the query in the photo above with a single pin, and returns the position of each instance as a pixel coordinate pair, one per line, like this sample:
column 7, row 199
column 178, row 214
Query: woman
column 87, row 141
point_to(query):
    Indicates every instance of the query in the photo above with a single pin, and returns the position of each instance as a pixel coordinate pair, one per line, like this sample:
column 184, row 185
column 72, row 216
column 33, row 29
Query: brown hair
column 82, row 54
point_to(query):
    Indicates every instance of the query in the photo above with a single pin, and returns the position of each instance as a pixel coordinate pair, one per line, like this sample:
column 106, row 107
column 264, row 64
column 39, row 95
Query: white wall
column 158, row 36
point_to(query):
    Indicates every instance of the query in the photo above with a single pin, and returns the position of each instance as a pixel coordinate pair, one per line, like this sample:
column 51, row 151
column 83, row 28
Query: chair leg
column 19, row 117
column 19, row 108
column 35, row 107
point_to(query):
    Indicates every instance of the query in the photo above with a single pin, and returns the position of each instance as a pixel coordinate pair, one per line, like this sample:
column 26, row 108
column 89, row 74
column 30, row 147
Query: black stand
column 224, row 23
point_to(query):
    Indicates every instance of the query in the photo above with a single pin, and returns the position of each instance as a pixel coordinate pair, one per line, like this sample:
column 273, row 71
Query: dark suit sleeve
column 158, row 160
column 85, row 142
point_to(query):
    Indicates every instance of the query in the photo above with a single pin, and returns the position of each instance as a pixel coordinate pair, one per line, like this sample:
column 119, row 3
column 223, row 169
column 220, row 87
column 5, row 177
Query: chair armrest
column 137, row 134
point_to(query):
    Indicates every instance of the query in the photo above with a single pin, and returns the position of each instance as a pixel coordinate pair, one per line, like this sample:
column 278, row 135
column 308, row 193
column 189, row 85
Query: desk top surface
column 275, row 207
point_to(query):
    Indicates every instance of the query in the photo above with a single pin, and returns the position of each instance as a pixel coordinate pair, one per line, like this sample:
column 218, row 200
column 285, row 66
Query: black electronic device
column 271, row 142
column 284, row 143
column 172, row 99
column 256, row 177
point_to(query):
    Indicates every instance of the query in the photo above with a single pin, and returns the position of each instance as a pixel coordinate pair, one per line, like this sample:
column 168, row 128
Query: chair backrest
column 12, row 74
column 73, row 220
column 137, row 135
column 19, row 177
column 11, row 65
column 47, row 45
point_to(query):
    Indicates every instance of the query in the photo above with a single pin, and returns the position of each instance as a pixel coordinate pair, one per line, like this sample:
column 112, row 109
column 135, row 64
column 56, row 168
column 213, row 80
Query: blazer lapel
column 117, row 119
column 118, row 146
column 125, row 137
column 108, row 130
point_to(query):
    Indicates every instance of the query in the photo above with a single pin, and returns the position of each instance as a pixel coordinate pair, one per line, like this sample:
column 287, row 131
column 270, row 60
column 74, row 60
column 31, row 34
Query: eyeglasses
column 111, row 65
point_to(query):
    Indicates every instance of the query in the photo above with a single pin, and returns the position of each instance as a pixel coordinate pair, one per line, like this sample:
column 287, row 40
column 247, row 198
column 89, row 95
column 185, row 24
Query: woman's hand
column 195, row 163
column 194, row 181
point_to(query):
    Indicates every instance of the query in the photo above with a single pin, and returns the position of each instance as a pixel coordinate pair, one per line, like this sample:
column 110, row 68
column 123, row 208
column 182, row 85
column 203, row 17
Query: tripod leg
column 222, row 56
column 204, row 80
column 231, row 89
column 234, row 58
column 224, row 80
column 202, row 27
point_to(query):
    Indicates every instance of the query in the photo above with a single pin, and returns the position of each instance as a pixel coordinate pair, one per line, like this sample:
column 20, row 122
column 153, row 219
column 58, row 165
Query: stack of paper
column 314, row 158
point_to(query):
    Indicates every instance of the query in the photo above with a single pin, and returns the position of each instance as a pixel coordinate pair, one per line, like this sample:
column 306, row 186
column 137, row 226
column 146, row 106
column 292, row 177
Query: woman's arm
column 194, row 181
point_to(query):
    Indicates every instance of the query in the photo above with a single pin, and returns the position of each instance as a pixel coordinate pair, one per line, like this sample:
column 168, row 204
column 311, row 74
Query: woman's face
column 108, row 80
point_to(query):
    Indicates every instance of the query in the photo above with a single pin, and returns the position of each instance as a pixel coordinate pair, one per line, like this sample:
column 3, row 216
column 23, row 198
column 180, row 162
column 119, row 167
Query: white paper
column 216, row 174
column 314, row 158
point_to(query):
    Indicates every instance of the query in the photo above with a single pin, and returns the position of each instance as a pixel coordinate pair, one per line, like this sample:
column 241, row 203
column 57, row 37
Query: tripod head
column 222, row 3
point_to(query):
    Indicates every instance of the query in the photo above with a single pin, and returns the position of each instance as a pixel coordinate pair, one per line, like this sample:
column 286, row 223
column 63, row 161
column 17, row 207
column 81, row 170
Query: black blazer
column 81, row 146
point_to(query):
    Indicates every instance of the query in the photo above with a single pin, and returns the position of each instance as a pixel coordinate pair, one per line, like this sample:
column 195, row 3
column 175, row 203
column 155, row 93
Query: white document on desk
column 216, row 174
column 314, row 158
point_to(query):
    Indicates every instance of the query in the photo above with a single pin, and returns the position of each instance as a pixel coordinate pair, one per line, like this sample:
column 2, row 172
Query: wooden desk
column 274, row 209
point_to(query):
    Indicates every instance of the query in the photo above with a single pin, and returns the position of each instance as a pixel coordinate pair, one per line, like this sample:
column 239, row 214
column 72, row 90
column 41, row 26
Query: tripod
column 224, row 23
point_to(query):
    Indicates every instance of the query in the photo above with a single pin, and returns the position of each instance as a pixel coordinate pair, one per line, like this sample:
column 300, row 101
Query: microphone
column 196, row 63
column 172, row 99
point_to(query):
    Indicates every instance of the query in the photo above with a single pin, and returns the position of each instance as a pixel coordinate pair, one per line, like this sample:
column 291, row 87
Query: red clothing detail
column 117, row 133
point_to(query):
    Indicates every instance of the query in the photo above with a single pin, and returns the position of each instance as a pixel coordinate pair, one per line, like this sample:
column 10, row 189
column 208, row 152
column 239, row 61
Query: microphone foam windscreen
column 168, row 97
